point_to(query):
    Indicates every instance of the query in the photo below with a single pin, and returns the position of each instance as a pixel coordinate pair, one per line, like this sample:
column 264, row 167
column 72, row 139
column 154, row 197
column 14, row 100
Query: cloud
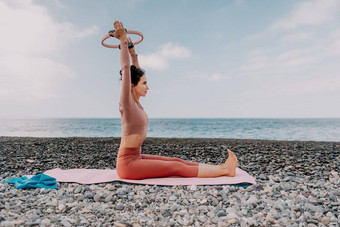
column 326, row 84
column 299, row 59
column 314, row 12
column 312, row 69
column 28, row 28
column 334, row 42
column 134, row 3
column 171, row 50
column 293, row 60
column 298, row 37
column 260, row 64
column 153, row 61
column 159, row 60
column 28, row 36
column 213, row 77
column 30, row 79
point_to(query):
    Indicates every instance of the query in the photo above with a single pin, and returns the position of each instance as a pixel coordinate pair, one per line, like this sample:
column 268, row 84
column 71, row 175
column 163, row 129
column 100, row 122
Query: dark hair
column 136, row 74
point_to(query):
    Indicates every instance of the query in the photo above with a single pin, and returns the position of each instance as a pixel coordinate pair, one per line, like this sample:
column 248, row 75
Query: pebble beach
column 298, row 184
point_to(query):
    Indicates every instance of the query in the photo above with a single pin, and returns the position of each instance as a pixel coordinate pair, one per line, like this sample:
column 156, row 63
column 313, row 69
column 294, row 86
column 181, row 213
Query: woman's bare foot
column 230, row 164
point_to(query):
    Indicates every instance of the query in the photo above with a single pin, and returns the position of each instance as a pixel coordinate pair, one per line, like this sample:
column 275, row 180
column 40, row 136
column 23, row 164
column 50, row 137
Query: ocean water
column 270, row 129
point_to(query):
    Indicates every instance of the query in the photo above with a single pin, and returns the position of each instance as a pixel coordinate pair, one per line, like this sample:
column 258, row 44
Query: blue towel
column 37, row 181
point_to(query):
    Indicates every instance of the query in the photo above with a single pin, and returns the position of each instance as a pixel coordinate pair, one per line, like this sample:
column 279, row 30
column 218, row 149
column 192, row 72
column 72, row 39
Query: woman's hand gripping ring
column 130, row 44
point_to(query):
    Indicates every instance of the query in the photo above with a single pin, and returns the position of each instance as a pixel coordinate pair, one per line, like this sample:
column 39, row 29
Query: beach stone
column 97, row 197
column 84, row 222
column 334, row 220
column 274, row 178
column 119, row 224
column 173, row 198
column 202, row 218
column 196, row 195
column 186, row 222
column 120, row 207
column 108, row 198
column 326, row 220
column 268, row 189
column 252, row 199
column 183, row 212
column 174, row 207
column 34, row 217
column 193, row 188
column 334, row 174
column 221, row 214
column 214, row 202
column 251, row 188
column 49, row 211
column 262, row 176
column 244, row 212
column 231, row 210
column 269, row 218
column 214, row 220
column 180, row 221
column 232, row 189
column 65, row 223
column 45, row 222
column 17, row 223
column 61, row 207
column 204, row 201
column 314, row 208
column 186, row 202
column 5, row 223
column 232, row 216
column 167, row 214
column 312, row 221
column 172, row 222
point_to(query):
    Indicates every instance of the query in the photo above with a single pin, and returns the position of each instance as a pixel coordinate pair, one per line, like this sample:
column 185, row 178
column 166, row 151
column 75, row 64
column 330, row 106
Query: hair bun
column 136, row 74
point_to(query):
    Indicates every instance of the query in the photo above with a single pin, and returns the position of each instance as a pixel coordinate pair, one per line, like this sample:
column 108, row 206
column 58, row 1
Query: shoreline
column 298, row 182
column 170, row 138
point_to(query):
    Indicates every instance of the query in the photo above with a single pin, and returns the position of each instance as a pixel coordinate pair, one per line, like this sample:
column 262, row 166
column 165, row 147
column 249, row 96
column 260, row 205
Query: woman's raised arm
column 120, row 33
column 134, row 56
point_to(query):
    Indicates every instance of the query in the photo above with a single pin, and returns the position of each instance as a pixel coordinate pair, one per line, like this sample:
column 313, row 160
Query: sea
column 320, row 129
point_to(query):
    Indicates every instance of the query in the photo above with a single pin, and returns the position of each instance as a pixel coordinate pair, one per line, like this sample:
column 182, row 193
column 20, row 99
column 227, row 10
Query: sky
column 203, row 59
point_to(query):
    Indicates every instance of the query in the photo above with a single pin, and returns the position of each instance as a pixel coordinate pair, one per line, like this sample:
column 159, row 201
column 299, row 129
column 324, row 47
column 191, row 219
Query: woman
column 131, row 164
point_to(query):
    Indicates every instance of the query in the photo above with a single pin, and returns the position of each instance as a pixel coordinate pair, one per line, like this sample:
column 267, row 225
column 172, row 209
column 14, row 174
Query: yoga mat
column 93, row 176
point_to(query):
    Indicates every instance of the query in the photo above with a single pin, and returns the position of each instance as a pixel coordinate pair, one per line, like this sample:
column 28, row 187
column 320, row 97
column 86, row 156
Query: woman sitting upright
column 131, row 163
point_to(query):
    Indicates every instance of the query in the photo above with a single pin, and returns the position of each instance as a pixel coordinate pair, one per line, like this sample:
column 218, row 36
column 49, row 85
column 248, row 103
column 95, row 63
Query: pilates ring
column 110, row 34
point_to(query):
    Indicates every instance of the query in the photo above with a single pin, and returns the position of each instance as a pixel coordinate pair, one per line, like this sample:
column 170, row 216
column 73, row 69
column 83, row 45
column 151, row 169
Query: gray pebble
column 65, row 223
column 222, row 214
column 97, row 197
column 231, row 210
column 120, row 207
column 173, row 198
column 314, row 208
column 34, row 217
column 167, row 214
column 326, row 220
column 45, row 222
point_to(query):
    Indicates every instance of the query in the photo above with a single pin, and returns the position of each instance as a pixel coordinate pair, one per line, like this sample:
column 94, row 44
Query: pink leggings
column 131, row 164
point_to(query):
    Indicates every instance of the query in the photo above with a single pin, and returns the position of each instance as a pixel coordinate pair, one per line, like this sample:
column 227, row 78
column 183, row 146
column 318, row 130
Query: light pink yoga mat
column 93, row 176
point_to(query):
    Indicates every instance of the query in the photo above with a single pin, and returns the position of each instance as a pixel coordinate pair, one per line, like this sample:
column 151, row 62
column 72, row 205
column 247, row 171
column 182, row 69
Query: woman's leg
column 158, row 157
column 226, row 169
column 147, row 168
column 205, row 170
